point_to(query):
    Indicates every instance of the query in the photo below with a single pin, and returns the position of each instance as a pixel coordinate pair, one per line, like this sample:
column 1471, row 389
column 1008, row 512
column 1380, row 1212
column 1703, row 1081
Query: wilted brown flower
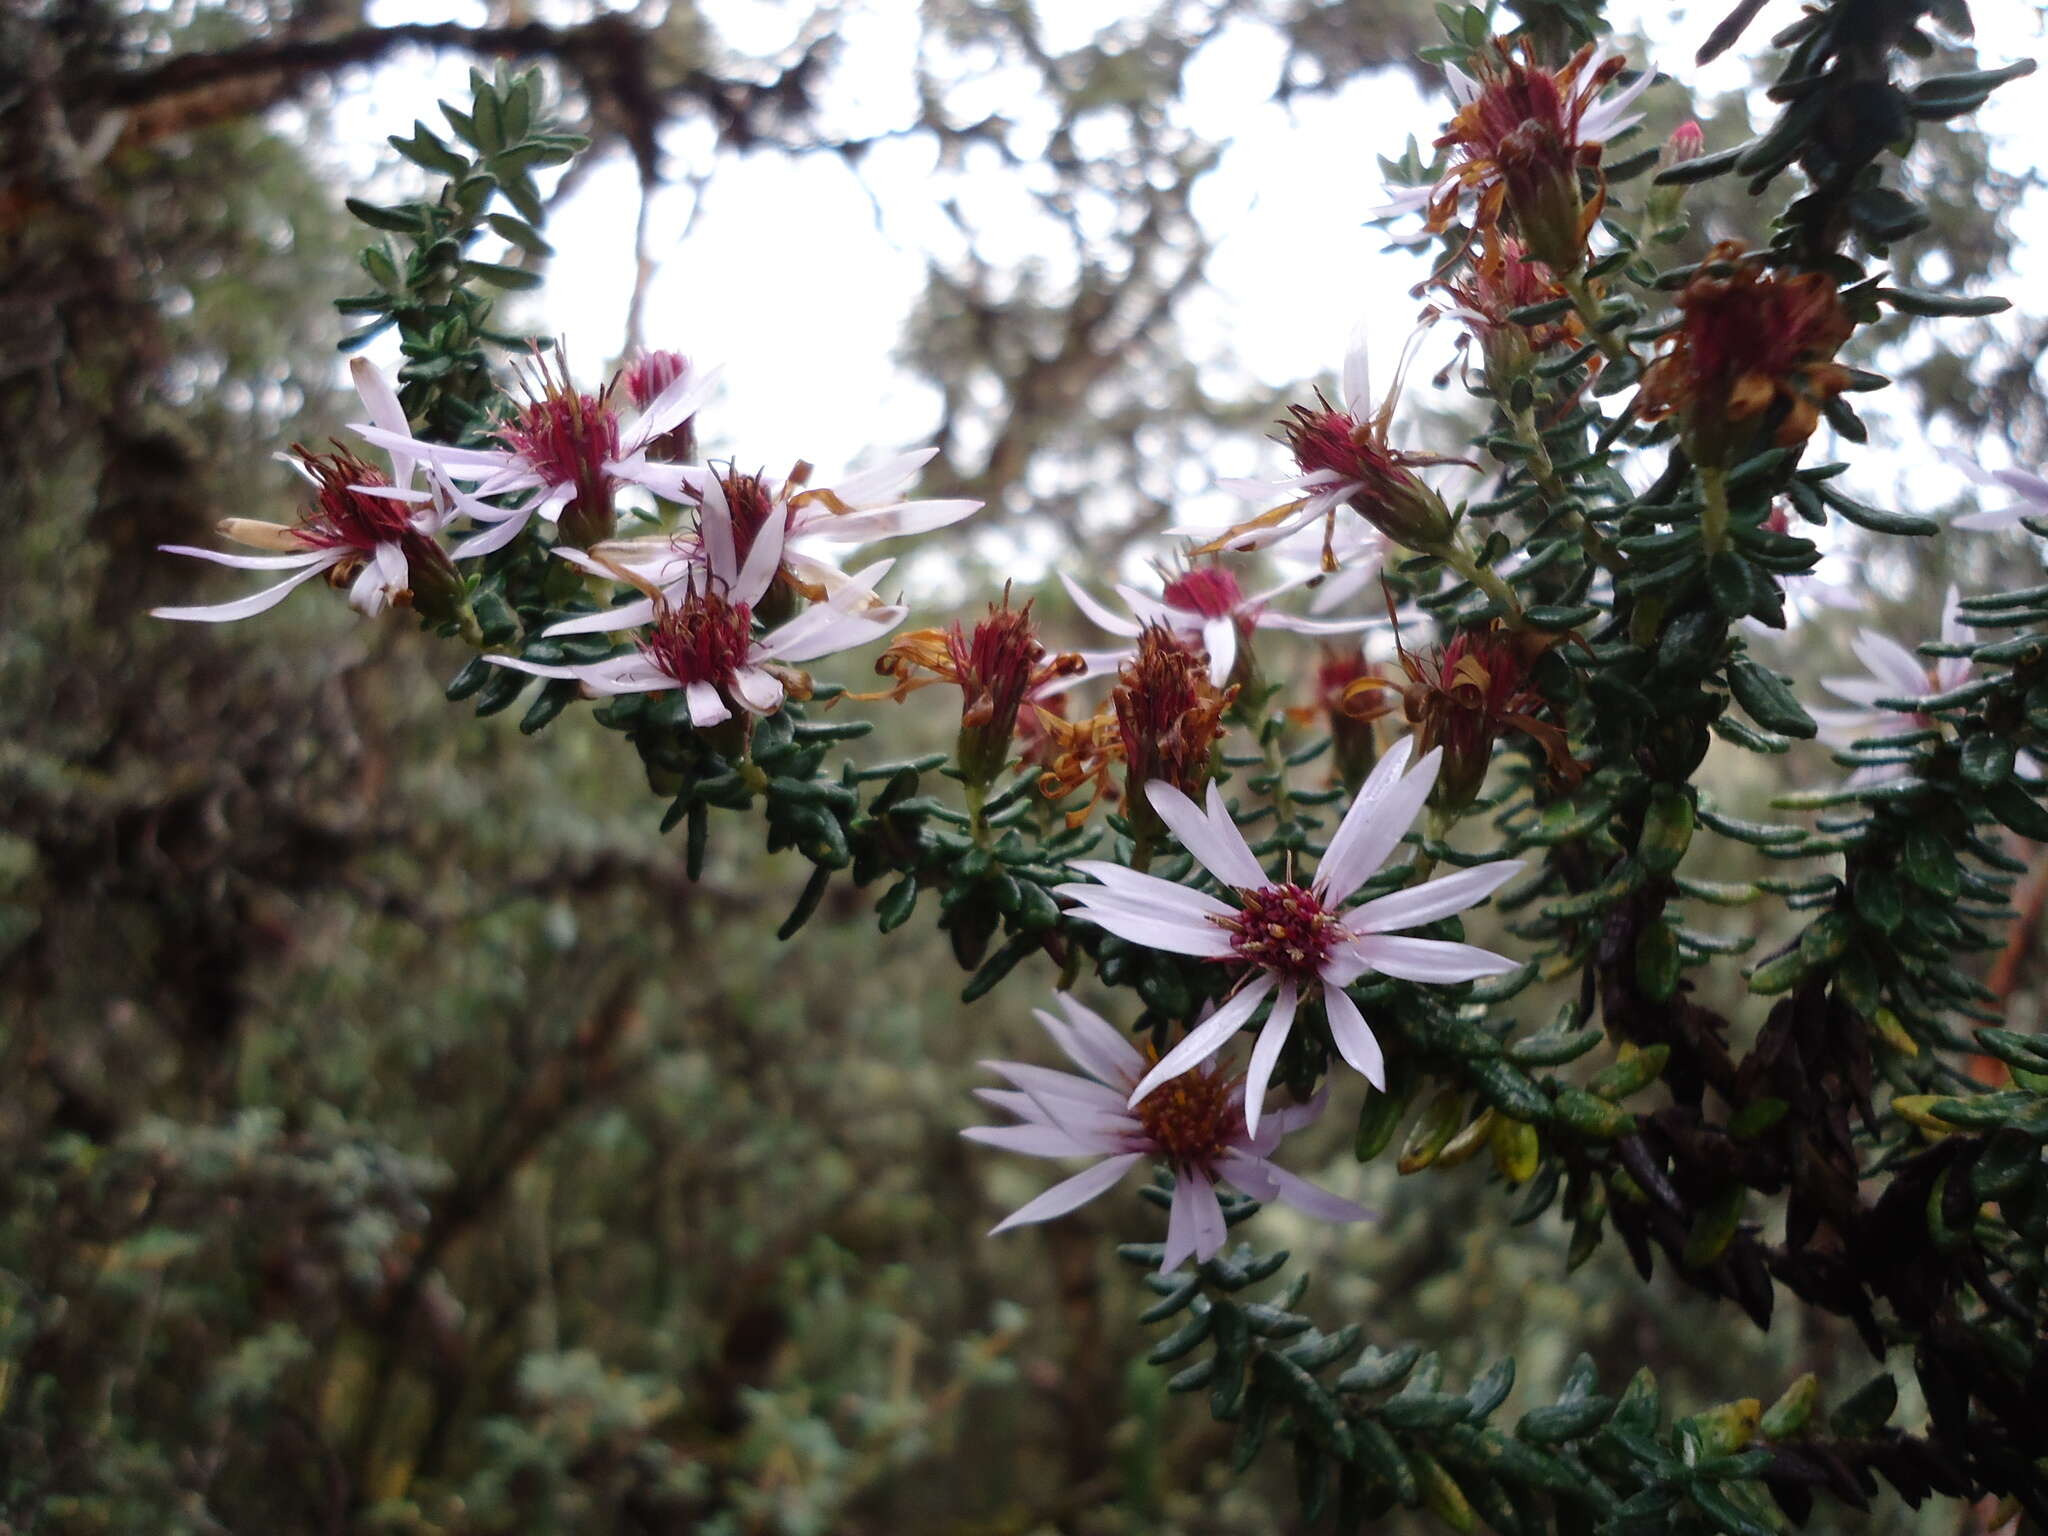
column 1753, row 351
column 1347, row 712
column 1500, row 279
column 997, row 668
column 1169, row 717
column 1465, row 696
column 1073, row 753
column 1520, row 141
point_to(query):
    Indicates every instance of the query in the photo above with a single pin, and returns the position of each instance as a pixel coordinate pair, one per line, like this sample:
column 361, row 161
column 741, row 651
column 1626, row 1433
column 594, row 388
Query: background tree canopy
column 393, row 1136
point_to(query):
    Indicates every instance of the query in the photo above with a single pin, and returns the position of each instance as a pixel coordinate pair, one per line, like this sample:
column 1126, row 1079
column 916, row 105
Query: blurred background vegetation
column 391, row 1138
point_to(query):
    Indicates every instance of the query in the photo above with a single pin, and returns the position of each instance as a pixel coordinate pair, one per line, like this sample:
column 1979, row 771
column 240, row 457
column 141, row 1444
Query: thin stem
column 1469, row 566
column 1612, row 347
column 1557, row 494
column 1714, row 515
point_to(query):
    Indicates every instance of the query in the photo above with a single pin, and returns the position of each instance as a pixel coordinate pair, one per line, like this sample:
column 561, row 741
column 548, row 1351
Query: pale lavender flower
column 1205, row 606
column 561, row 449
column 2031, row 490
column 1294, row 941
column 865, row 505
column 1197, row 1125
column 704, row 642
column 371, row 530
column 1893, row 672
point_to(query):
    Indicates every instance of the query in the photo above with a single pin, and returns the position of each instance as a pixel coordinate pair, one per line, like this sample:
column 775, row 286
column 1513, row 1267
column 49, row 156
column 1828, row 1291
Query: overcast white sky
column 797, row 275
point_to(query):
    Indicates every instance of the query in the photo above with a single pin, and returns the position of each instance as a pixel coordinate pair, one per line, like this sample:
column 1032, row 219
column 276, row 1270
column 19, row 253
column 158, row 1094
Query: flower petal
column 1264, row 1181
column 1070, row 1193
column 1377, row 821
column 241, row 607
column 1353, row 1037
column 1207, row 1037
column 1421, row 904
column 1219, row 639
column 1265, row 1052
column 1194, row 1225
column 1212, row 838
column 1102, row 614
column 1436, row 960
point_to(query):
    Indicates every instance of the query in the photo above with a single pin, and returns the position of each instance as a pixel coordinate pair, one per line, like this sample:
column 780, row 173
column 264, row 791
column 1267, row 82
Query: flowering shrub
column 1243, row 917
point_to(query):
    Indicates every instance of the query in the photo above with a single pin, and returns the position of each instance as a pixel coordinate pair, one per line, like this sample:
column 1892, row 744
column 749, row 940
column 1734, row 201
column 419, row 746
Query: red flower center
column 752, row 503
column 1208, row 590
column 1282, row 928
column 1332, row 440
column 1192, row 1119
column 567, row 438
column 344, row 517
column 703, row 640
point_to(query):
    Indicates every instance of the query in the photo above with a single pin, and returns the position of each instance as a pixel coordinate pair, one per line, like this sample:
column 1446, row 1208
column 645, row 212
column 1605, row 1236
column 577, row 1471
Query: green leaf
column 424, row 149
column 499, row 276
column 401, row 221
column 1865, row 1410
column 1918, row 301
column 1767, row 701
column 1379, row 1369
column 2014, row 806
column 520, row 233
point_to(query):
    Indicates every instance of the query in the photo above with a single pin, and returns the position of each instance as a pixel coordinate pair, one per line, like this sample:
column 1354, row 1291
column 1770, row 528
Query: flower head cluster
column 1169, row 715
column 865, row 505
column 704, row 642
column 1463, row 697
column 1753, row 355
column 1196, row 1124
column 1520, row 140
column 363, row 529
column 1288, row 941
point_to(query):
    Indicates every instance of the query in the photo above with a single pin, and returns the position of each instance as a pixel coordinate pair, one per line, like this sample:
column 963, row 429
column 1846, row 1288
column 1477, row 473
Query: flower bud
column 645, row 376
column 1665, row 203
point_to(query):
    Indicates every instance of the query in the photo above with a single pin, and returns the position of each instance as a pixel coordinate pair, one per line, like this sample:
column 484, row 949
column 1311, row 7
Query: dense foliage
column 265, row 1309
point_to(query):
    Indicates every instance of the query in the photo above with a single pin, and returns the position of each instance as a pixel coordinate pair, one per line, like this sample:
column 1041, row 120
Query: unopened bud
column 1687, row 142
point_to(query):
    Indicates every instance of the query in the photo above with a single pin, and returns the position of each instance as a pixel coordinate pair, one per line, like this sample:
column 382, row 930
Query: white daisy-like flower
column 1294, row 942
column 371, row 530
column 704, row 642
column 1205, row 605
column 1893, row 673
column 1197, row 1125
column 563, row 447
column 861, row 507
